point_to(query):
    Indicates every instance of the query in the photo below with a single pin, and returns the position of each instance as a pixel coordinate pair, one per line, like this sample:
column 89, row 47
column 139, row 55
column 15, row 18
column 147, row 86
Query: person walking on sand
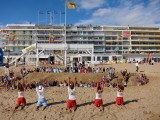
column 41, row 97
column 137, row 66
column 71, row 103
column 21, row 99
column 7, row 68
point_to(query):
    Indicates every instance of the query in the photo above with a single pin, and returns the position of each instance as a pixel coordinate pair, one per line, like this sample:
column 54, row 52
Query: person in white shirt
column 137, row 66
column 41, row 97
column 71, row 103
column 7, row 68
column 98, row 103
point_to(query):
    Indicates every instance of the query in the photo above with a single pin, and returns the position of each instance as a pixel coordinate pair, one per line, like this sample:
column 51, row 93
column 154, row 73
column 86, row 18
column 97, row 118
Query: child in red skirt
column 21, row 100
column 98, row 103
column 119, row 99
column 71, row 103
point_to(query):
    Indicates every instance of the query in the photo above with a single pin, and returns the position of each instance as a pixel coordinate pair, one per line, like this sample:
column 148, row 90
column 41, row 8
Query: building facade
column 109, row 42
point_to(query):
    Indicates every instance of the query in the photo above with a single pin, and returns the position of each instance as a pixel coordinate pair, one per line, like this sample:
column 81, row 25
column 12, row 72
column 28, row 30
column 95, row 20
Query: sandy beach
column 142, row 102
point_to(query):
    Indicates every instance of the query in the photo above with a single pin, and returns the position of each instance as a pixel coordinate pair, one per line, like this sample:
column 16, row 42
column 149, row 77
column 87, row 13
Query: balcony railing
column 18, row 45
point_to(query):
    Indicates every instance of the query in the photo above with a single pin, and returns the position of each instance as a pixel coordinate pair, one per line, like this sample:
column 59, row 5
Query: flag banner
column 3, row 46
column 72, row 5
column 5, row 32
column 27, row 49
column 149, row 57
column 116, row 49
column 48, row 12
column 126, row 34
column 119, row 37
column 51, row 38
column 55, row 12
column 11, row 37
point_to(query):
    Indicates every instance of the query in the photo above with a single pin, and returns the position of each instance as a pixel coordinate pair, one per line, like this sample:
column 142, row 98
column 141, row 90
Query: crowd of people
column 141, row 79
column 11, row 83
column 68, row 69
column 8, row 81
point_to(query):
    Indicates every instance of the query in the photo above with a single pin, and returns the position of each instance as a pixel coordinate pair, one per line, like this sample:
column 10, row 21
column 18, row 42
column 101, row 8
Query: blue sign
column 1, row 57
column 117, row 49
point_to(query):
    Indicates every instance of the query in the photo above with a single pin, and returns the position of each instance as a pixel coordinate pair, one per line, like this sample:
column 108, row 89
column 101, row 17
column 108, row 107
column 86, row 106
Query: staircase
column 60, row 58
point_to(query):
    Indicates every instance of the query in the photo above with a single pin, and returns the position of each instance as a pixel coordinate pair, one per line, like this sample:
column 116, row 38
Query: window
column 14, row 32
column 105, row 58
column 99, row 59
column 108, row 38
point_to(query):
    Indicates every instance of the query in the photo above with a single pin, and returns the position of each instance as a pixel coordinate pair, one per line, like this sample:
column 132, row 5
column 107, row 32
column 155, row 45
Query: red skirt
column 98, row 102
column 119, row 101
column 21, row 101
column 71, row 103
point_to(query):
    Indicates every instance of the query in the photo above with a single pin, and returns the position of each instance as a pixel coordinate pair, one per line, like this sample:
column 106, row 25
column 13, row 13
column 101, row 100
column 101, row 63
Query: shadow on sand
column 87, row 103
column 126, row 102
column 56, row 103
column 28, row 104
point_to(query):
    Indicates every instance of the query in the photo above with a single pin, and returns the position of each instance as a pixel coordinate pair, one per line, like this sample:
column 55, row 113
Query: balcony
column 156, row 45
column 12, row 53
column 145, row 35
column 147, row 40
column 17, row 45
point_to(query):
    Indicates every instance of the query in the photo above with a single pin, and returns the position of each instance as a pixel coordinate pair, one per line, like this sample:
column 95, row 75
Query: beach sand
column 142, row 102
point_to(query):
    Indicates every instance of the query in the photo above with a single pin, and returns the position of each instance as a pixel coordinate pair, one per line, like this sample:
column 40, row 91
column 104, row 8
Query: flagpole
column 46, row 17
column 65, row 54
column 122, row 44
column 60, row 17
column 38, row 17
column 53, row 17
column 65, row 18
column 36, row 41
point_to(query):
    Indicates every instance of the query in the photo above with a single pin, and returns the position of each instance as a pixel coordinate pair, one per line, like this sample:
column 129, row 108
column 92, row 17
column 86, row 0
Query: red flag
column 5, row 32
column 126, row 34
column 149, row 56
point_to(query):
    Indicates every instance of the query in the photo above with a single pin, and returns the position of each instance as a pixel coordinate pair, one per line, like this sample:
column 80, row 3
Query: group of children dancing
column 71, row 102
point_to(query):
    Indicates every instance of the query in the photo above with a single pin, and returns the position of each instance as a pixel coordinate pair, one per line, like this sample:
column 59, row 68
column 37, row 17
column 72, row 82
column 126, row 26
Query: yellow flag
column 51, row 38
column 11, row 37
column 119, row 37
column 72, row 5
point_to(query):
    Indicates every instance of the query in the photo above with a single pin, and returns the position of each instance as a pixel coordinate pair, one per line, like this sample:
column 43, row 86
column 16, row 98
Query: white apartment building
column 109, row 42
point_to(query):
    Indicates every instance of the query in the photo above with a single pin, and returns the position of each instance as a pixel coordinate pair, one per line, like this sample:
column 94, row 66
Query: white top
column 72, row 93
column 40, row 92
column 119, row 94
column 137, row 64
column 98, row 95
column 20, row 94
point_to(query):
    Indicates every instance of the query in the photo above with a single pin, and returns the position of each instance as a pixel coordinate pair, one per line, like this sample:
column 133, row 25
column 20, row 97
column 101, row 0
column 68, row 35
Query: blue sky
column 96, row 12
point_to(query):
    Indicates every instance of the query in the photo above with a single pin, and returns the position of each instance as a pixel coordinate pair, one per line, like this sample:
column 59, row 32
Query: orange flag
column 11, row 37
